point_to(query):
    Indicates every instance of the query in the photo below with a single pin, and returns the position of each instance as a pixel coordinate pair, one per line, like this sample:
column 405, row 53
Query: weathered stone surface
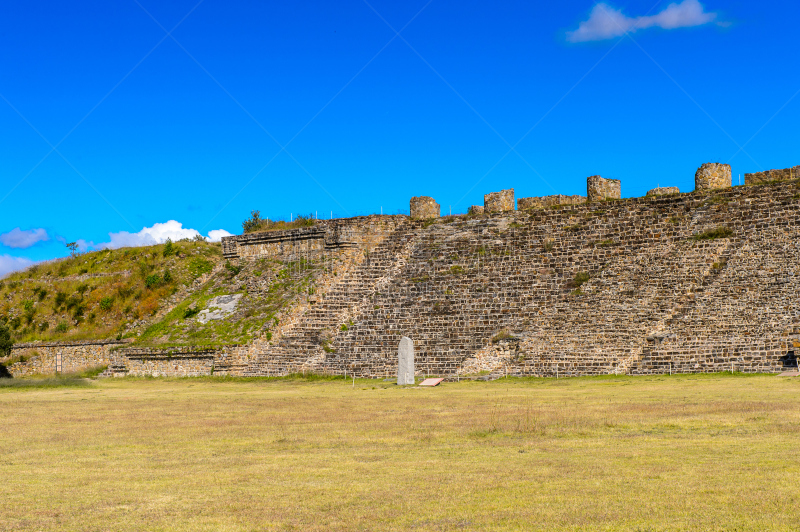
column 218, row 308
column 711, row 176
column 40, row 358
column 476, row 209
column 662, row 191
column 424, row 208
column 767, row 176
column 405, row 361
column 599, row 189
column 499, row 201
column 548, row 201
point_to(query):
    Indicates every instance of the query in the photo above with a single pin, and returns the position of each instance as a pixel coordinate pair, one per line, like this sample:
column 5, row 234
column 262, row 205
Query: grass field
column 705, row 452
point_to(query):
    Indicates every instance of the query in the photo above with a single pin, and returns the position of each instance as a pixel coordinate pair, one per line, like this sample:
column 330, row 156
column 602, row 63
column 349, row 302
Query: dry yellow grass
column 649, row 453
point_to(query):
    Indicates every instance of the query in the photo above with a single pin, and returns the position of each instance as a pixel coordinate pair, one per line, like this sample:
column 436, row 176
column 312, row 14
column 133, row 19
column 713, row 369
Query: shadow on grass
column 68, row 380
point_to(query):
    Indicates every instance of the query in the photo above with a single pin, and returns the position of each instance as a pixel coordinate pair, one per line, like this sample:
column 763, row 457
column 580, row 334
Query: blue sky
column 191, row 127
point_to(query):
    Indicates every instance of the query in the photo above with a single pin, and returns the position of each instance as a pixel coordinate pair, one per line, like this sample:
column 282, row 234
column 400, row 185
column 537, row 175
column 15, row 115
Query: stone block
column 424, row 208
column 548, row 201
column 599, row 189
column 767, row 176
column 499, row 201
column 476, row 209
column 405, row 361
column 712, row 176
column 662, row 191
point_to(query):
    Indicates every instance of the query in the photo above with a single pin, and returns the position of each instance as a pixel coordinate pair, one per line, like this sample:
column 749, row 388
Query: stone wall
column 599, row 189
column 548, row 201
column 475, row 209
column 784, row 174
column 711, row 176
column 326, row 237
column 424, row 208
column 662, row 191
column 656, row 299
column 75, row 356
column 499, row 201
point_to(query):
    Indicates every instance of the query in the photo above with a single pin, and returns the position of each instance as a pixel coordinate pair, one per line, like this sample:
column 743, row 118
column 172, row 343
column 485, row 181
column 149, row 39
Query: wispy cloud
column 605, row 22
column 10, row 264
column 18, row 239
column 149, row 236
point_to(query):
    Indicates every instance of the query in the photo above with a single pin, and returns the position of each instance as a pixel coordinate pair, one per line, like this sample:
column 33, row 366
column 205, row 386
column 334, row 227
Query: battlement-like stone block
column 548, row 201
column 662, row 191
column 711, row 176
column 599, row 189
column 424, row 208
column 499, row 201
column 476, row 209
column 784, row 174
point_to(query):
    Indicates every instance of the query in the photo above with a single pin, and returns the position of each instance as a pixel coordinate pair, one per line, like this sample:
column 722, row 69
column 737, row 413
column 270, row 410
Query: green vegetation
column 58, row 301
column 701, row 452
column 547, row 245
column 505, row 334
column 253, row 314
column 604, row 244
column 580, row 279
column 255, row 223
column 712, row 234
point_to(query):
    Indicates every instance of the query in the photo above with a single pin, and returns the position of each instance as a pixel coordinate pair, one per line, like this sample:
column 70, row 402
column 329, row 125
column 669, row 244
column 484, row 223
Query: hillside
column 103, row 294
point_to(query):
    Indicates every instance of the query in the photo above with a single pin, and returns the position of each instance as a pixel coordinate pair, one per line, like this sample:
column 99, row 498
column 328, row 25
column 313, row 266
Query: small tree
column 169, row 249
column 73, row 249
column 5, row 340
column 253, row 223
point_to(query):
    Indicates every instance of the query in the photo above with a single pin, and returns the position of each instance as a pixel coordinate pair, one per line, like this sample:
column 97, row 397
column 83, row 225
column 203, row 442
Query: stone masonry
column 599, row 189
column 548, row 201
column 662, row 191
column 475, row 209
column 711, row 176
column 684, row 283
column 424, row 208
column 784, row 174
column 499, row 201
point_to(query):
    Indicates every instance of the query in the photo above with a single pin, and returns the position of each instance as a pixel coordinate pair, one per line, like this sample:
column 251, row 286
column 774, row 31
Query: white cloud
column 148, row 236
column 217, row 234
column 19, row 239
column 605, row 22
column 10, row 264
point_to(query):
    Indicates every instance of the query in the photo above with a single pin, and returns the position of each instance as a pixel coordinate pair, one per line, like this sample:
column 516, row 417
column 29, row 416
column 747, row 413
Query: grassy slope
column 31, row 303
column 702, row 452
column 267, row 286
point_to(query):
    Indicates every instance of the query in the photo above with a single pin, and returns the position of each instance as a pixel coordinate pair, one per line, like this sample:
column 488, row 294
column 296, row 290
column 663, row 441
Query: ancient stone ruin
column 662, row 191
column 545, row 202
column 475, row 209
column 712, row 176
column 499, row 201
column 668, row 283
column 424, row 208
column 600, row 189
column 768, row 176
column 405, row 361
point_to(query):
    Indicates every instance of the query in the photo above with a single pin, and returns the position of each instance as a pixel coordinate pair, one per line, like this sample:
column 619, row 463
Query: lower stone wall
column 40, row 359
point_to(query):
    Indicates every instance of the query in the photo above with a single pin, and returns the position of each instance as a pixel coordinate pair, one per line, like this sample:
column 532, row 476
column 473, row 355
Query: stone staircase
column 306, row 345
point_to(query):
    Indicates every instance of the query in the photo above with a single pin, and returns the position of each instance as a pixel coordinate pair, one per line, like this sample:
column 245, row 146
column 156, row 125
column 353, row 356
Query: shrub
column 190, row 312
column 169, row 248
column 42, row 294
column 83, row 288
column 580, row 278
column 547, row 245
column 60, row 299
column 106, row 303
column 61, row 327
column 253, row 223
column 167, row 278
column 234, row 270
column 198, row 266
column 505, row 334
column 152, row 281
column 712, row 234
column 27, row 305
